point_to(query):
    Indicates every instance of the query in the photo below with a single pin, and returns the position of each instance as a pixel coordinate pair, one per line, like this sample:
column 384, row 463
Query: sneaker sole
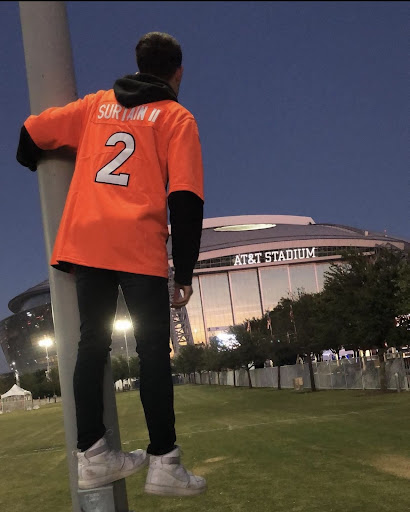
column 163, row 490
column 98, row 482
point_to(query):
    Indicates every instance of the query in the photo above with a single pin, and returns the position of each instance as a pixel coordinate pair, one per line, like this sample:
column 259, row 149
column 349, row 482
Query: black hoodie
column 186, row 208
column 133, row 90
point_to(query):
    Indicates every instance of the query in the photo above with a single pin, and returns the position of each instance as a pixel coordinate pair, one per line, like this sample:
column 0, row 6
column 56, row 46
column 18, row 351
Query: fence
column 343, row 374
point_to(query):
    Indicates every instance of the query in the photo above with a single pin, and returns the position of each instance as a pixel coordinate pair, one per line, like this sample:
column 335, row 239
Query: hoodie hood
column 133, row 90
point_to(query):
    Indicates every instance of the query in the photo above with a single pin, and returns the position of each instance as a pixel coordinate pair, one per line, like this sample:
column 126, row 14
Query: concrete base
column 100, row 499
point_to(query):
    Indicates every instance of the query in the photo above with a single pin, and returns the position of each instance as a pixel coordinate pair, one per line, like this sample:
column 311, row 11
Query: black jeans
column 147, row 300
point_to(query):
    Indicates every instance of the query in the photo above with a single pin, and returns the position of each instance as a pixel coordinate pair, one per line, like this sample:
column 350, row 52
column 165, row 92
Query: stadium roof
column 16, row 303
column 261, row 229
column 223, row 233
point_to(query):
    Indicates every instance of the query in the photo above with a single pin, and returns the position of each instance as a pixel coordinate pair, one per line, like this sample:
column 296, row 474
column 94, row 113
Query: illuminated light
column 226, row 339
column 122, row 325
column 46, row 342
column 401, row 319
column 245, row 227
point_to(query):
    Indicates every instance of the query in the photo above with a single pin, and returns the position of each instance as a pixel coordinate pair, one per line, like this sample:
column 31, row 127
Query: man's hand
column 182, row 294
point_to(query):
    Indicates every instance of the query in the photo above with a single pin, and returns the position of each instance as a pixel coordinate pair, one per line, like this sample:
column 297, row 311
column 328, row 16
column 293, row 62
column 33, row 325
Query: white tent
column 16, row 398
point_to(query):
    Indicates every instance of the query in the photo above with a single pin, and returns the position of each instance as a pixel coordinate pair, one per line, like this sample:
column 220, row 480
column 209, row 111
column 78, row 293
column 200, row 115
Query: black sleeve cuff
column 186, row 215
column 28, row 153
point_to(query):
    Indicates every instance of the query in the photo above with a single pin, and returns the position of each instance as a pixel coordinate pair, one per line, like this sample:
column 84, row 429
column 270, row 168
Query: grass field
column 261, row 450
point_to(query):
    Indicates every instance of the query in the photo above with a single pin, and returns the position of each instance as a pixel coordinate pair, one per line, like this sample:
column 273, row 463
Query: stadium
column 246, row 265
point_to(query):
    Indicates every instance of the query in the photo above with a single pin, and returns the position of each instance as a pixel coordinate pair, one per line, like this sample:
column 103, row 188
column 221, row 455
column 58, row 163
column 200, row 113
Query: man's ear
column 178, row 74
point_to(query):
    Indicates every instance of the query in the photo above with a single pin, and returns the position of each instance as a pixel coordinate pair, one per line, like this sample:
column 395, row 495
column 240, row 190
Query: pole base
column 100, row 499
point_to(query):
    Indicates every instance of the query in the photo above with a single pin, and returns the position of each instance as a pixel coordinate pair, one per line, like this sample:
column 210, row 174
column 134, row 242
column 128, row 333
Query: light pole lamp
column 46, row 342
column 16, row 373
column 124, row 325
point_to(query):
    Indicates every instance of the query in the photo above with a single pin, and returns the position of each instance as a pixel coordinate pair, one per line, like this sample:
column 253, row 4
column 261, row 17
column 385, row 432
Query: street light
column 124, row 325
column 16, row 373
column 46, row 342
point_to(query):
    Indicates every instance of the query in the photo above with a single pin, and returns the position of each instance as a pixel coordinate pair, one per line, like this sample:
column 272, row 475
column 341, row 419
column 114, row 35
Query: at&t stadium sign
column 254, row 258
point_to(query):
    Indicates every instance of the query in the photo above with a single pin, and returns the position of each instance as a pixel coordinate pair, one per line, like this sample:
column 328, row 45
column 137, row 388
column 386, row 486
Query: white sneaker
column 100, row 466
column 168, row 477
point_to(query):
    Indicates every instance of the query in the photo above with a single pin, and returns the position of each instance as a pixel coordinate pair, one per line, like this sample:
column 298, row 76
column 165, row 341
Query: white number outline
column 105, row 174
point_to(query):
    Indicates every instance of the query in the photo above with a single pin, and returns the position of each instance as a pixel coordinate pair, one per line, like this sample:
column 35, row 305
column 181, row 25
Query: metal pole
column 128, row 358
column 48, row 362
column 51, row 82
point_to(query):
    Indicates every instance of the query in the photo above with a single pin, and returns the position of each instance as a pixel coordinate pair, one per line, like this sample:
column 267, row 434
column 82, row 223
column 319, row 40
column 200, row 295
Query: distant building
column 246, row 265
column 32, row 322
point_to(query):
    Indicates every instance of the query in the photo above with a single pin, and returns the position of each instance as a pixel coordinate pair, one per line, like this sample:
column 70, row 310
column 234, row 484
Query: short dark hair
column 158, row 54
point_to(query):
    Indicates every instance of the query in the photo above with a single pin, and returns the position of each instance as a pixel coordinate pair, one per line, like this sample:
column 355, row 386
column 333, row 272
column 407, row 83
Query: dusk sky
column 302, row 108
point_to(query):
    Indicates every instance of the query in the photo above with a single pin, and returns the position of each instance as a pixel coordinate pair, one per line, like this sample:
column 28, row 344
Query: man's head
column 160, row 54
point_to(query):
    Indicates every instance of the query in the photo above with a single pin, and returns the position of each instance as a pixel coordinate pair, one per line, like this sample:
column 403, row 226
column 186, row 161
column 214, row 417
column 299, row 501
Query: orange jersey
column 128, row 160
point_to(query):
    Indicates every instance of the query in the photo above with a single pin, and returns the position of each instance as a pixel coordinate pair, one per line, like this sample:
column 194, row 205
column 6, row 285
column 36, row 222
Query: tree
column 277, row 327
column 282, row 325
column 190, row 359
column 283, row 350
column 367, row 299
column 282, row 353
column 304, row 312
column 119, row 368
column 230, row 359
column 39, row 385
column 30, row 382
column 179, row 364
column 294, row 323
column 54, row 379
column 212, row 357
column 251, row 347
column 134, row 367
column 6, row 382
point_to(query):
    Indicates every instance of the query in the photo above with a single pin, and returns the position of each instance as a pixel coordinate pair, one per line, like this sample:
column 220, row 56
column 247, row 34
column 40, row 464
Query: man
column 132, row 143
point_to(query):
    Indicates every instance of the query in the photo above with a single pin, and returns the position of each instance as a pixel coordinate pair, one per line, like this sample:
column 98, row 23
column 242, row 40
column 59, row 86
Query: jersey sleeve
column 58, row 126
column 185, row 167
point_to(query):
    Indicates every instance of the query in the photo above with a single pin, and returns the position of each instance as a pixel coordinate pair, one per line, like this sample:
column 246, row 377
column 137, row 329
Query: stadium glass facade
column 233, row 296
column 20, row 335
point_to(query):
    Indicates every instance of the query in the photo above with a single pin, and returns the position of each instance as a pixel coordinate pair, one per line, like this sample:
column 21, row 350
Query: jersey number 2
column 106, row 174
